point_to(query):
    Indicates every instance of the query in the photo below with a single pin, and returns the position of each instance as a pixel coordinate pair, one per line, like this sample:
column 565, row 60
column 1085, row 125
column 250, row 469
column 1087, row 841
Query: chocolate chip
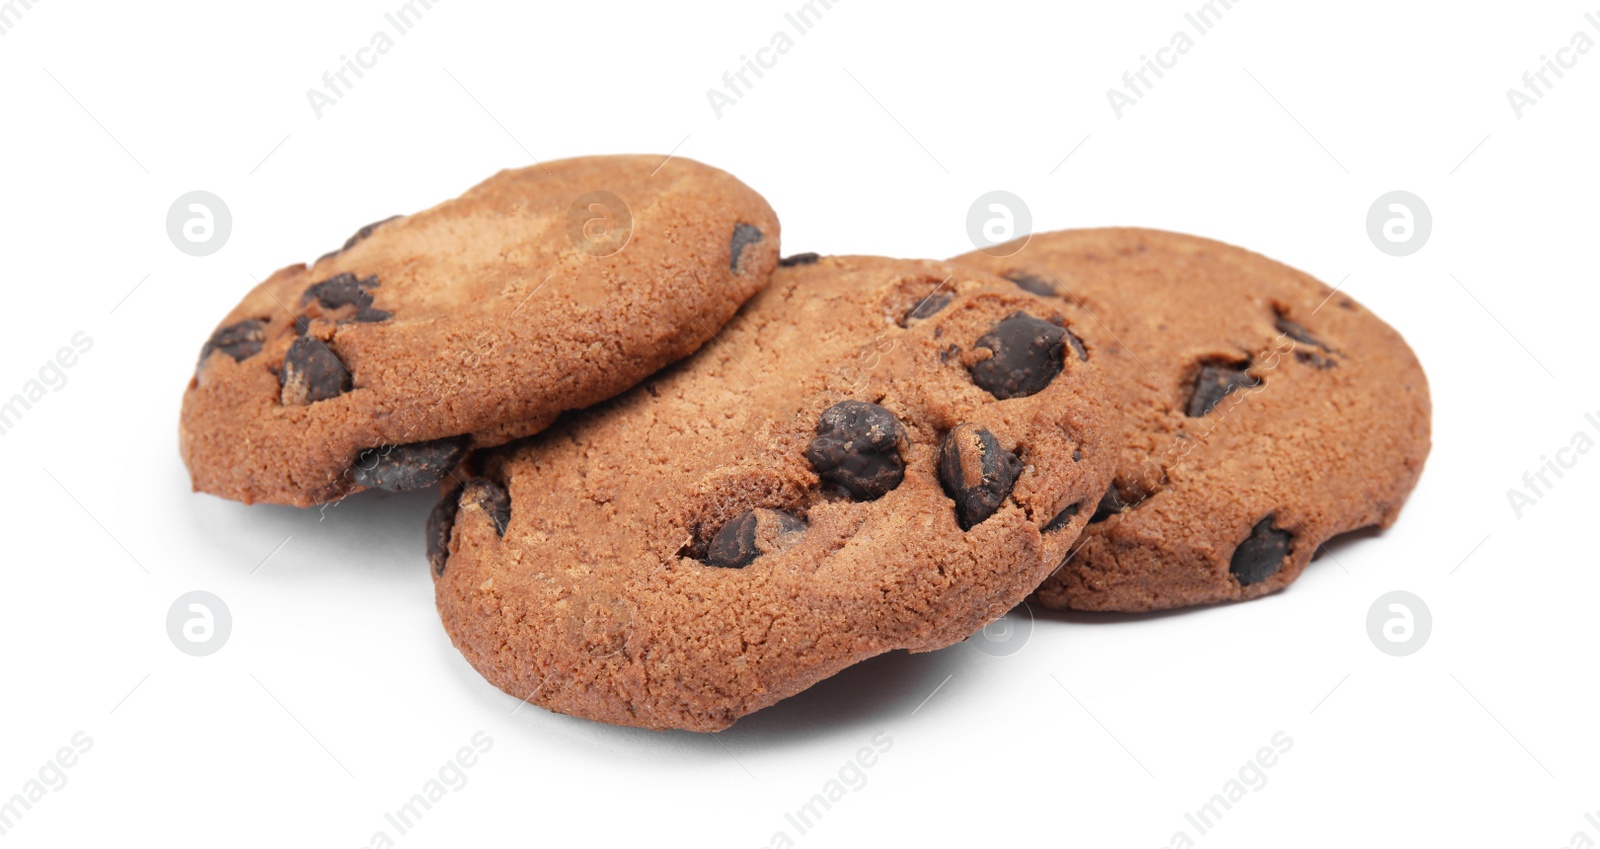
column 401, row 468
column 364, row 232
column 734, row 547
column 857, row 447
column 238, row 340
column 1296, row 332
column 1303, row 336
column 743, row 234
column 927, row 307
column 312, row 372
column 1260, row 556
column 341, row 290
column 368, row 314
column 738, row 544
column 488, row 495
column 976, row 472
column 1215, row 382
column 1027, row 356
column 301, row 324
column 1032, row 283
column 360, row 235
column 1110, row 505
column 1315, row 359
column 346, row 290
column 799, row 259
column 441, row 521
column 494, row 501
column 1063, row 519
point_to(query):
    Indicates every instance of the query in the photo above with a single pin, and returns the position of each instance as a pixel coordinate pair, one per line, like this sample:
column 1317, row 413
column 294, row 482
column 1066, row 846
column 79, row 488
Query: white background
column 338, row 695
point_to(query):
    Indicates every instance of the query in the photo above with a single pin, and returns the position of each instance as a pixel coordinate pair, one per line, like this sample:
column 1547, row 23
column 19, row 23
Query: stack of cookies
column 683, row 479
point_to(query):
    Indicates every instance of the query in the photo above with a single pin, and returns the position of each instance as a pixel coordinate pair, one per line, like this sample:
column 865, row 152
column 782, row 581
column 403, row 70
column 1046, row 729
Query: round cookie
column 470, row 324
column 1261, row 413
column 873, row 455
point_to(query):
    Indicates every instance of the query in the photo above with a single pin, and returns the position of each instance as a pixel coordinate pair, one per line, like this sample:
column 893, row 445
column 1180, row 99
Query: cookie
column 470, row 324
column 1260, row 413
column 873, row 455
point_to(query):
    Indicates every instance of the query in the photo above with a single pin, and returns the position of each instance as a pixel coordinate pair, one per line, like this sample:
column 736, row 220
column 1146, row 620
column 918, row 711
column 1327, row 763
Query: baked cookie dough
column 873, row 455
column 1259, row 413
column 470, row 324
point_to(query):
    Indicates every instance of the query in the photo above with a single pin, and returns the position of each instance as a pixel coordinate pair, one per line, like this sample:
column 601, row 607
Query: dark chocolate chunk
column 401, row 468
column 927, row 307
column 1260, row 556
column 734, row 547
column 238, row 340
column 441, row 521
column 1110, row 505
column 364, row 232
column 799, row 259
column 360, row 235
column 1027, row 356
column 743, row 234
column 1322, row 360
column 737, row 545
column 1215, row 382
column 976, row 472
column 301, row 324
column 1064, row 518
column 1297, row 333
column 346, row 290
column 1315, row 359
column 341, row 290
column 312, row 372
column 1032, row 283
column 488, row 495
column 857, row 447
column 368, row 314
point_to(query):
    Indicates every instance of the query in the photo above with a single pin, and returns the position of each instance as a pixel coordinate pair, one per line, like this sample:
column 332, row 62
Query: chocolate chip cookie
column 873, row 455
column 470, row 324
column 1260, row 413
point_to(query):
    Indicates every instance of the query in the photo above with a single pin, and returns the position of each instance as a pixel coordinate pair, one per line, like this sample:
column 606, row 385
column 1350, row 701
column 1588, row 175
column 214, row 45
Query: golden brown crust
column 498, row 322
column 1333, row 439
column 594, row 602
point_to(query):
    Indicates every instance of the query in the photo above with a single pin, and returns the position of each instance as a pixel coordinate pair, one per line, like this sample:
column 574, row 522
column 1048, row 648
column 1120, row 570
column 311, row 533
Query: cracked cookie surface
column 469, row 324
column 822, row 483
column 1260, row 413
